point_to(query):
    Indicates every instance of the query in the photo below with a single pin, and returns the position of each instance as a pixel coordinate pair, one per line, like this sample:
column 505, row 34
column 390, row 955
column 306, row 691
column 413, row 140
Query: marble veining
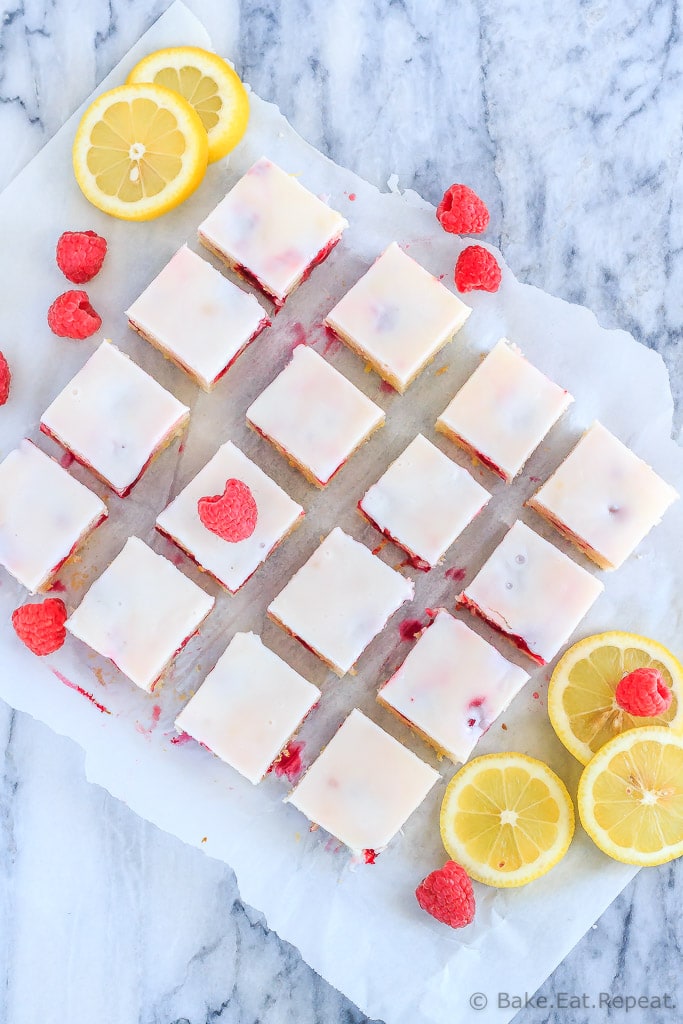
column 566, row 118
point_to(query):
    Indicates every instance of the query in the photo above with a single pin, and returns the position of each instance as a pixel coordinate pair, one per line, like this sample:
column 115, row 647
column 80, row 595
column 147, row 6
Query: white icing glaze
column 195, row 314
column 452, row 686
column 364, row 786
column 231, row 563
column 340, row 599
column 271, row 225
column 531, row 590
column 505, row 409
column 424, row 500
column 606, row 495
column 398, row 315
column 248, row 706
column 139, row 613
column 314, row 413
column 44, row 514
column 114, row 416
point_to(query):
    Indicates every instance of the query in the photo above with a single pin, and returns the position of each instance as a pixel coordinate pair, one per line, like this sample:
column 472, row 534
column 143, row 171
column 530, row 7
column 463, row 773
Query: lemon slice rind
column 209, row 84
column 139, row 133
column 601, row 716
column 629, row 753
column 474, row 825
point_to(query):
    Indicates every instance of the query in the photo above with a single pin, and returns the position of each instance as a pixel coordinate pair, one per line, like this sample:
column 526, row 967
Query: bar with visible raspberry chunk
column 249, row 707
column 114, row 418
column 423, row 501
column 314, row 416
column 603, row 498
column 531, row 593
column 231, row 552
column 503, row 411
column 140, row 613
column 451, row 687
column 397, row 317
column 363, row 787
column 271, row 230
column 45, row 516
column 197, row 318
column 339, row 600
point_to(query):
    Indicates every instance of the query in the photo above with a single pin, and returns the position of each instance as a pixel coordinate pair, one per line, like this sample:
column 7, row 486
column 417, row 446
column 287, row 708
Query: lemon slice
column 631, row 797
column 507, row 819
column 139, row 151
column 581, row 702
column 209, row 84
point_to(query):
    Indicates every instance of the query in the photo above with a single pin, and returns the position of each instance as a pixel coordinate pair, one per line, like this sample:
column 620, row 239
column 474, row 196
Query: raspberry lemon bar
column 230, row 517
column 451, row 687
column 397, row 317
column 314, row 416
column 271, row 230
column 197, row 318
column 339, row 600
column 248, row 707
column 140, row 613
column 45, row 516
column 114, row 418
column 503, row 412
column 531, row 593
column 603, row 498
column 423, row 501
column 363, row 787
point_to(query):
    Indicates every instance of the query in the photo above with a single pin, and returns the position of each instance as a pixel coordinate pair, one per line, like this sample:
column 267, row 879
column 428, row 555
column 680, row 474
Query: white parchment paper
column 358, row 925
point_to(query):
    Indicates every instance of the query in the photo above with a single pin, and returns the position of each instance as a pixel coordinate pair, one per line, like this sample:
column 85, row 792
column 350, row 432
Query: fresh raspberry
column 462, row 212
column 5, row 379
column 72, row 316
column 643, row 693
column 477, row 269
column 80, row 255
column 447, row 895
column 231, row 515
column 41, row 626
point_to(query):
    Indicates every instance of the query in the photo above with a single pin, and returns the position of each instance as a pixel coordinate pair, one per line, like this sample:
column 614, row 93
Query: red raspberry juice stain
column 79, row 689
column 289, row 764
column 181, row 739
column 409, row 628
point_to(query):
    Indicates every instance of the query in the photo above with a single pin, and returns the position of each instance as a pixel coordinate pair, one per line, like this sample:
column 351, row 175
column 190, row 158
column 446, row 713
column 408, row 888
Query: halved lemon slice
column 139, row 151
column 581, row 701
column 209, row 84
column 631, row 797
column 507, row 819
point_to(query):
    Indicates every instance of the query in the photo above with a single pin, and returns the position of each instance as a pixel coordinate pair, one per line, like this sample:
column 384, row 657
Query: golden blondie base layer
column 577, row 541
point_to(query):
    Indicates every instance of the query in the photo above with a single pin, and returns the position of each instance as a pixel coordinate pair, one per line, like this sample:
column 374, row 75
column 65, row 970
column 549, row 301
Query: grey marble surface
column 566, row 117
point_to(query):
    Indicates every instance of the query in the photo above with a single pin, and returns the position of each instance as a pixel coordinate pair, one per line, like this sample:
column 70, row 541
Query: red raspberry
column 41, row 626
column 643, row 693
column 5, row 379
column 80, row 255
column 477, row 269
column 231, row 515
column 447, row 895
column 72, row 316
column 462, row 212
